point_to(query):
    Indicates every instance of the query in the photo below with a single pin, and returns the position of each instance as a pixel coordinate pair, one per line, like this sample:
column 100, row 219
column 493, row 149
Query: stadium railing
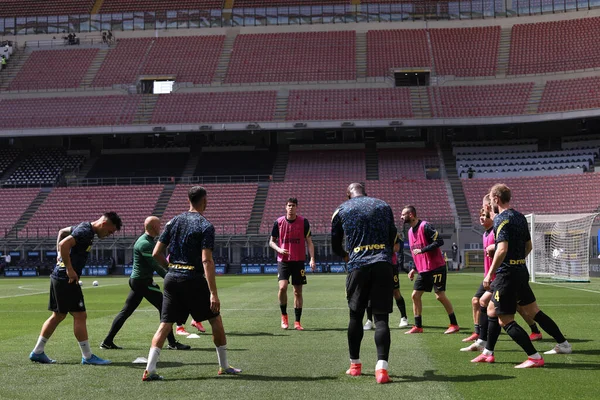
column 165, row 180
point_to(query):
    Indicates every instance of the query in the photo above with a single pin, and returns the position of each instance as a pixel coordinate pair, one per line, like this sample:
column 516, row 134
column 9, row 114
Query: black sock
column 382, row 336
column 452, row 319
column 483, row 323
column 520, row 337
column 534, row 328
column 477, row 329
column 298, row 312
column 283, row 308
column 549, row 326
column 419, row 321
column 493, row 333
column 355, row 333
column 370, row 313
column 401, row 306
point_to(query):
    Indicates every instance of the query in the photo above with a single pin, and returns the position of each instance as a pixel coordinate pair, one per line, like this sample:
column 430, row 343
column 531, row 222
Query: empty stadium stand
column 146, row 165
column 326, row 165
column 228, row 206
column 66, row 206
column 119, row 6
column 24, row 8
column 215, row 107
column 544, row 195
column 479, row 100
column 43, row 167
column 54, row 69
column 235, row 165
column 571, row 94
column 14, row 203
column 399, row 48
column 123, row 62
column 292, row 57
column 68, row 111
column 342, row 104
column 405, row 164
column 7, row 157
column 555, row 46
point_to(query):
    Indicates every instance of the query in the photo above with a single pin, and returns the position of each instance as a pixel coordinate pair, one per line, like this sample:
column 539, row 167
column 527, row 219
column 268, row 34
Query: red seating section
column 228, row 209
column 69, row 206
column 555, row 46
column 290, row 3
column 286, row 57
column 122, row 63
column 406, row 164
column 346, row 166
column 401, row 48
column 465, row 51
column 53, row 69
column 349, row 104
column 191, row 59
column 479, row 100
column 571, row 94
column 545, row 195
column 24, row 8
column 215, row 107
column 68, row 111
column 118, row 6
column 14, row 203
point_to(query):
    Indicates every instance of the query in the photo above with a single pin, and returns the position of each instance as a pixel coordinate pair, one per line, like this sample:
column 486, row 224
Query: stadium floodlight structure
column 561, row 246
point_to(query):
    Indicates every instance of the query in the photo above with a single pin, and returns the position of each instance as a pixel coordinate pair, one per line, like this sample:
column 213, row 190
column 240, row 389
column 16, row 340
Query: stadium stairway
column 458, row 193
column 223, row 65
column 143, row 114
column 361, row 55
column 430, row 50
column 13, row 167
column 371, row 161
column 281, row 105
column 258, row 208
column 190, row 165
column 84, row 169
column 535, row 98
column 163, row 200
column 419, row 101
column 280, row 164
column 28, row 213
column 94, row 68
column 503, row 52
column 97, row 6
column 14, row 66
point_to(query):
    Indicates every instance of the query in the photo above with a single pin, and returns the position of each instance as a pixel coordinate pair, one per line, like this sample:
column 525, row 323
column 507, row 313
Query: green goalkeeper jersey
column 144, row 264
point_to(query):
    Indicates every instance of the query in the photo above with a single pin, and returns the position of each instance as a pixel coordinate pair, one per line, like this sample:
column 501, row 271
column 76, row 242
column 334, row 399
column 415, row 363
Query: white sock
column 357, row 361
column 381, row 364
column 487, row 352
column 481, row 342
column 536, row 356
column 565, row 343
column 39, row 346
column 222, row 356
column 86, row 351
column 152, row 359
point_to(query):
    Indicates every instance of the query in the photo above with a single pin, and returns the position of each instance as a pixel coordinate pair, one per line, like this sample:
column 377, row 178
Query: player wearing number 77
column 430, row 266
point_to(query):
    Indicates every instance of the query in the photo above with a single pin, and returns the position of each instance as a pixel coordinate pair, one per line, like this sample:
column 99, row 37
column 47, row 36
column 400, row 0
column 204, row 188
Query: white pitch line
column 569, row 287
column 46, row 291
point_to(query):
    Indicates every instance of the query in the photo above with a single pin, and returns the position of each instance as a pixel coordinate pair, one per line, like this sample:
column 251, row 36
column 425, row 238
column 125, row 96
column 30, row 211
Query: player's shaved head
column 152, row 226
column 356, row 190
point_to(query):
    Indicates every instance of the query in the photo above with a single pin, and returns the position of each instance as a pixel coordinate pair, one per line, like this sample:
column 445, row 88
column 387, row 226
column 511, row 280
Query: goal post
column 561, row 246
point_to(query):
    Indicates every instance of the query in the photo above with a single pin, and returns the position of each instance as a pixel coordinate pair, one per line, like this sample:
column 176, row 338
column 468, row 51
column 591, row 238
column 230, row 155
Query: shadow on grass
column 260, row 378
column 430, row 376
column 161, row 364
column 578, row 366
column 345, row 329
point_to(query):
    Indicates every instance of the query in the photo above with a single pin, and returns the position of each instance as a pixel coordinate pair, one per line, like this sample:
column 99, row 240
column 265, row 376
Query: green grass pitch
column 290, row 364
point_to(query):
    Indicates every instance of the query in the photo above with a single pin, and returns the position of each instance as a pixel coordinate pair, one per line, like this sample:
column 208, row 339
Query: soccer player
column 368, row 225
column 190, row 239
column 398, row 264
column 429, row 265
column 482, row 297
column 66, row 297
column 142, row 285
column 511, row 284
column 288, row 237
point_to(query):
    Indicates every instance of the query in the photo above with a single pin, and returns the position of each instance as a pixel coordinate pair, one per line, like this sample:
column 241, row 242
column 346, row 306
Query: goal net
column 561, row 246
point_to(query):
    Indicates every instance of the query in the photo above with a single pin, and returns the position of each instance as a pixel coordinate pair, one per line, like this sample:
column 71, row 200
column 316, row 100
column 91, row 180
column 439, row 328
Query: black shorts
column 396, row 271
column 434, row 279
column 481, row 291
column 295, row 269
column 511, row 288
column 184, row 296
column 65, row 297
column 373, row 286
